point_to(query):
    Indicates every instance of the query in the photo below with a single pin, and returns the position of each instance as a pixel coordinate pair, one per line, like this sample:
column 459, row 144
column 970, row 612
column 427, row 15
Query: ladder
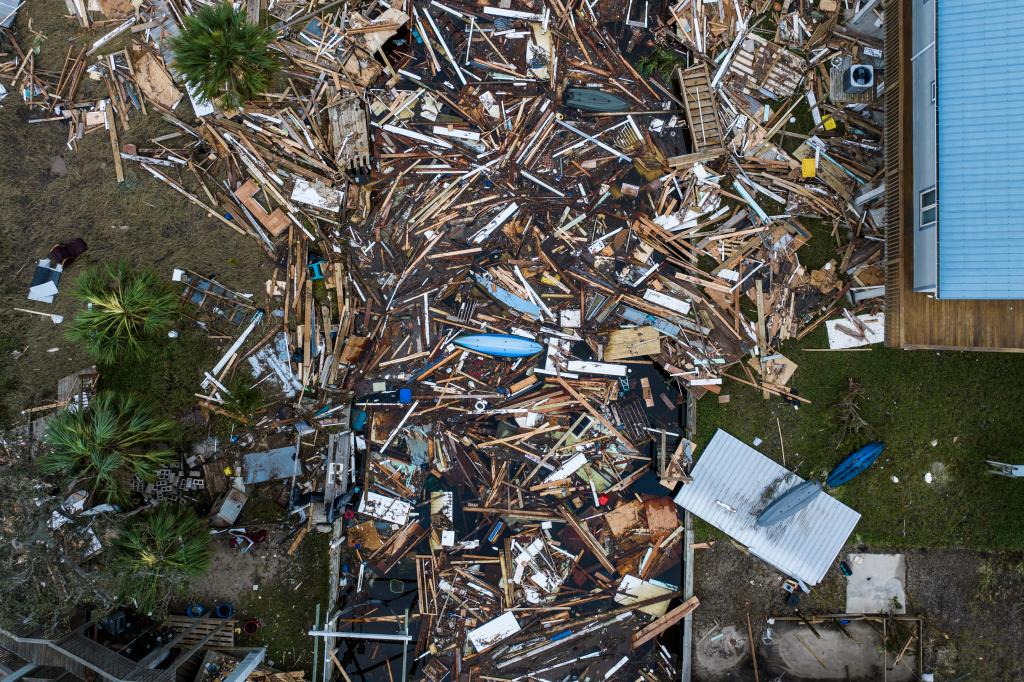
column 1008, row 470
column 701, row 113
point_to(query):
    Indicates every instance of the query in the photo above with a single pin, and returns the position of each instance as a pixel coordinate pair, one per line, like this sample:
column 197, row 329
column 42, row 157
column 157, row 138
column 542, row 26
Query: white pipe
column 360, row 635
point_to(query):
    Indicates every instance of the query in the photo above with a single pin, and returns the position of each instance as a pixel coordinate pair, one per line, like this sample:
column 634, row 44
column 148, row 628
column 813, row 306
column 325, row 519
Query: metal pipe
column 360, row 635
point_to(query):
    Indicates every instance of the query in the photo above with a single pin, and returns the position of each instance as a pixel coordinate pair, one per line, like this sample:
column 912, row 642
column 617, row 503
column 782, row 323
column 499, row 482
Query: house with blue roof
column 968, row 150
column 954, row 174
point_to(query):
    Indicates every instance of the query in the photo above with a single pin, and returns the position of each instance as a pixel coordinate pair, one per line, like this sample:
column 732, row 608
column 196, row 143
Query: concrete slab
column 797, row 654
column 878, row 583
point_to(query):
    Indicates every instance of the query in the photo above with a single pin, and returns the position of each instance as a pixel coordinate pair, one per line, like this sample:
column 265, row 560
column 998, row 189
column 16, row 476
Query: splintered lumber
column 652, row 630
column 299, row 537
column 531, row 514
column 590, row 408
column 212, row 212
column 753, row 649
column 592, row 543
column 115, row 145
column 506, row 173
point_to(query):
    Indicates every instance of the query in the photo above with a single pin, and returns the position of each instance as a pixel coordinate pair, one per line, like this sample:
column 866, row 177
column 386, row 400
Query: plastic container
column 224, row 610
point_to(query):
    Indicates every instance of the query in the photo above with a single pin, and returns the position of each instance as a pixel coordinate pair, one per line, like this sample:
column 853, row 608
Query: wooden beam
column 588, row 538
column 652, row 630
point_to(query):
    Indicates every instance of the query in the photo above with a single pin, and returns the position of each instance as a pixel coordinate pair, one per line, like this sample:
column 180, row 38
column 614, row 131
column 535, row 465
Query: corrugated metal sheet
column 731, row 473
column 981, row 157
column 8, row 9
column 260, row 467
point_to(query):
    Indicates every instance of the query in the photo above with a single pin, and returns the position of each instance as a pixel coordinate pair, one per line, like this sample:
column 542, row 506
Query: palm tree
column 159, row 553
column 223, row 57
column 124, row 308
column 116, row 436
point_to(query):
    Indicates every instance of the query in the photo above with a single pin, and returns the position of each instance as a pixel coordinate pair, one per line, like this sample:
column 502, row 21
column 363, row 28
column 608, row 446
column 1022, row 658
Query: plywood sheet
column 154, row 81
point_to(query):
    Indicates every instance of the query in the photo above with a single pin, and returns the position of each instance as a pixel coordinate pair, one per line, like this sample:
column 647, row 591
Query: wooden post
column 750, row 637
column 652, row 630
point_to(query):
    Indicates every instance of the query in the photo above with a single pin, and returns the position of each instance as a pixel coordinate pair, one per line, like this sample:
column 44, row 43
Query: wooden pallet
column 701, row 111
column 759, row 65
column 223, row 630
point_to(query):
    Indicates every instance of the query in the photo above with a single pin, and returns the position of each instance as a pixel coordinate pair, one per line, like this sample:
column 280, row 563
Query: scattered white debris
column 493, row 631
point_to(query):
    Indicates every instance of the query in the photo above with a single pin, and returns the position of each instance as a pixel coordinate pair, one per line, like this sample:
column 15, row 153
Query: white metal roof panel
column 731, row 475
column 8, row 8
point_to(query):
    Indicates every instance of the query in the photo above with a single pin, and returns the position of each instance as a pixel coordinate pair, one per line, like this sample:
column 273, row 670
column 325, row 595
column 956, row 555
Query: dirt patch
column 720, row 651
column 732, row 584
column 278, row 590
column 970, row 602
column 855, row 654
column 234, row 575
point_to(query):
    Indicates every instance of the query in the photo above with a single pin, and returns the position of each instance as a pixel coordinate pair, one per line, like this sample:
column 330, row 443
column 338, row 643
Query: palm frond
column 224, row 57
column 124, row 309
column 115, row 437
column 160, row 552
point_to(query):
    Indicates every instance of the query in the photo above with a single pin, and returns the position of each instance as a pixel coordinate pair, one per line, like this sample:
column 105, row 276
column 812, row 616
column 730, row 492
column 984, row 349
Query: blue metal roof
column 981, row 149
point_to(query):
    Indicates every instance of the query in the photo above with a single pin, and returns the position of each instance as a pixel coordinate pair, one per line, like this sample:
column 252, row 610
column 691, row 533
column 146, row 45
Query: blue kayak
column 789, row 503
column 499, row 345
column 854, row 465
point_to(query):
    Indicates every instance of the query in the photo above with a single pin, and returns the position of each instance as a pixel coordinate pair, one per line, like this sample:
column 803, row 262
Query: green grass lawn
column 967, row 404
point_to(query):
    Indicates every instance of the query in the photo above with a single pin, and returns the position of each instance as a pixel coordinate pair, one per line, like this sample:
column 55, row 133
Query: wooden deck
column 916, row 320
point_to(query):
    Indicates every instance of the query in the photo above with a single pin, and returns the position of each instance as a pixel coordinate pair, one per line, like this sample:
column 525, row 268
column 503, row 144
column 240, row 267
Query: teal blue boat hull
column 854, row 464
column 589, row 99
column 789, row 503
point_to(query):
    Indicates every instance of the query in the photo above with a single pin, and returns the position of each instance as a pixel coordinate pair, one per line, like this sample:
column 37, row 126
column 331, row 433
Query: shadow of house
column 26, row 655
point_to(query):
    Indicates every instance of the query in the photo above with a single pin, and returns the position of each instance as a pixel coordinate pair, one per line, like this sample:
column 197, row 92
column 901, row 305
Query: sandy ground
column 234, row 575
column 796, row 653
column 278, row 590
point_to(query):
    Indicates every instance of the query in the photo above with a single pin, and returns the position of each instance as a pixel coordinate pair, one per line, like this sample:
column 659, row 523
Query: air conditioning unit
column 858, row 78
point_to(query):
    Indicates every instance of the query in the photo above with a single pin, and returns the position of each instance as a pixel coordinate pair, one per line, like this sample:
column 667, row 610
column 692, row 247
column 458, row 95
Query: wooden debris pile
column 520, row 255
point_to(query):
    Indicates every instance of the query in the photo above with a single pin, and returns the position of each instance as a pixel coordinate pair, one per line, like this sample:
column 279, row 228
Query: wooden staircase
column 701, row 111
